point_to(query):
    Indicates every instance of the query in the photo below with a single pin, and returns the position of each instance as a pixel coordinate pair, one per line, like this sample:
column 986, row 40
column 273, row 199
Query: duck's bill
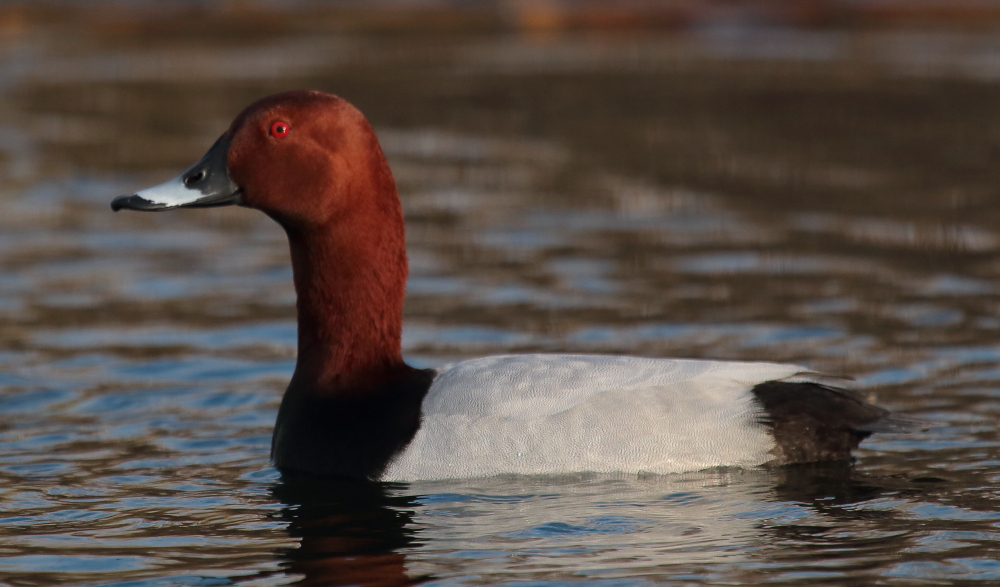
column 205, row 184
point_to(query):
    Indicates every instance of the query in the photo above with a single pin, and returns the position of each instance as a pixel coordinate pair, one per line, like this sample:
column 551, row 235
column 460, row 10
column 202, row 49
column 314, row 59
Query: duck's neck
column 352, row 404
column 350, row 280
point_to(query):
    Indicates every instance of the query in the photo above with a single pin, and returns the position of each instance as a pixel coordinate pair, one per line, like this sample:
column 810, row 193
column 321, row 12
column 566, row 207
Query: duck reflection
column 825, row 486
column 659, row 527
column 350, row 532
column 843, row 509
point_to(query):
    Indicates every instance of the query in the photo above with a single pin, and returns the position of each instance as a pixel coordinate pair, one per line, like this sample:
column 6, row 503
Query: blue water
column 821, row 197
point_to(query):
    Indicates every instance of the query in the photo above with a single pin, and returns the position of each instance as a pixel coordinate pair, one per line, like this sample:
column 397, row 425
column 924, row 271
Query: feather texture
column 530, row 414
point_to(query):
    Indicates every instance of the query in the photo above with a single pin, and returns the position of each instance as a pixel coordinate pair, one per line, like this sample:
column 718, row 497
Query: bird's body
column 529, row 414
column 354, row 408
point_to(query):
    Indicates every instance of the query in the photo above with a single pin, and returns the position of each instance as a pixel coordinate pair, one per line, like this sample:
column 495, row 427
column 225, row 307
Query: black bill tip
column 135, row 202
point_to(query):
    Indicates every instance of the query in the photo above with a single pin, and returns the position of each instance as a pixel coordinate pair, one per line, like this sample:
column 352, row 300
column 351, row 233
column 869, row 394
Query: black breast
column 352, row 433
column 814, row 422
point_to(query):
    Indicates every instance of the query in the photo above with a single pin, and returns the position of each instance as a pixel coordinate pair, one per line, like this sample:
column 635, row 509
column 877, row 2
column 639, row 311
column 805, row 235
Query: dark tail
column 816, row 422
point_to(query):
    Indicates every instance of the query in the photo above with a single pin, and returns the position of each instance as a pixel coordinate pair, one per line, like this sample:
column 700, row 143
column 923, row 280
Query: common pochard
column 354, row 408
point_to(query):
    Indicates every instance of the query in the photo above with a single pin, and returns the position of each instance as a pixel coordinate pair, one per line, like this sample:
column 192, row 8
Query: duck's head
column 303, row 157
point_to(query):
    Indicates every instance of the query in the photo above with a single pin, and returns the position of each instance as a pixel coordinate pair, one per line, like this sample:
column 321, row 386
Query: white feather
column 532, row 414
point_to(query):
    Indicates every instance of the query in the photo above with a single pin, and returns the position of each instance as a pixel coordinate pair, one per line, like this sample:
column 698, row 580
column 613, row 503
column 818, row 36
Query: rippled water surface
column 823, row 197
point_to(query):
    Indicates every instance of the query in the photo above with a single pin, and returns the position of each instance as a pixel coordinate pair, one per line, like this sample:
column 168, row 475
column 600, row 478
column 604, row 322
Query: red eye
column 280, row 130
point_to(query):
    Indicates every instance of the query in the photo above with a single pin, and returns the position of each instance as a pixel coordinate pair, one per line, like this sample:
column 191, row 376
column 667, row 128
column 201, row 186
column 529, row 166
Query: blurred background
column 811, row 181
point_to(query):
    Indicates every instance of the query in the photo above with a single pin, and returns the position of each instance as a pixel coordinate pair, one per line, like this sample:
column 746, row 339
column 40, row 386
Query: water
column 823, row 197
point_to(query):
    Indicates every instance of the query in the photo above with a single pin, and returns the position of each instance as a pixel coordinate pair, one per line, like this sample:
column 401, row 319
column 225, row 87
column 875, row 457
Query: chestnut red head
column 304, row 158
column 311, row 161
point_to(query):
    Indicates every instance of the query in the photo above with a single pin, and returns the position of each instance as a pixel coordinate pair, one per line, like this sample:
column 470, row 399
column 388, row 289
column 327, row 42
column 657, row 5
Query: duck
column 355, row 409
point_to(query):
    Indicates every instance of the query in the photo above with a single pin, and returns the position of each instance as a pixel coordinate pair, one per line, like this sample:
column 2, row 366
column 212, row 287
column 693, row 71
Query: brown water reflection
column 823, row 196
